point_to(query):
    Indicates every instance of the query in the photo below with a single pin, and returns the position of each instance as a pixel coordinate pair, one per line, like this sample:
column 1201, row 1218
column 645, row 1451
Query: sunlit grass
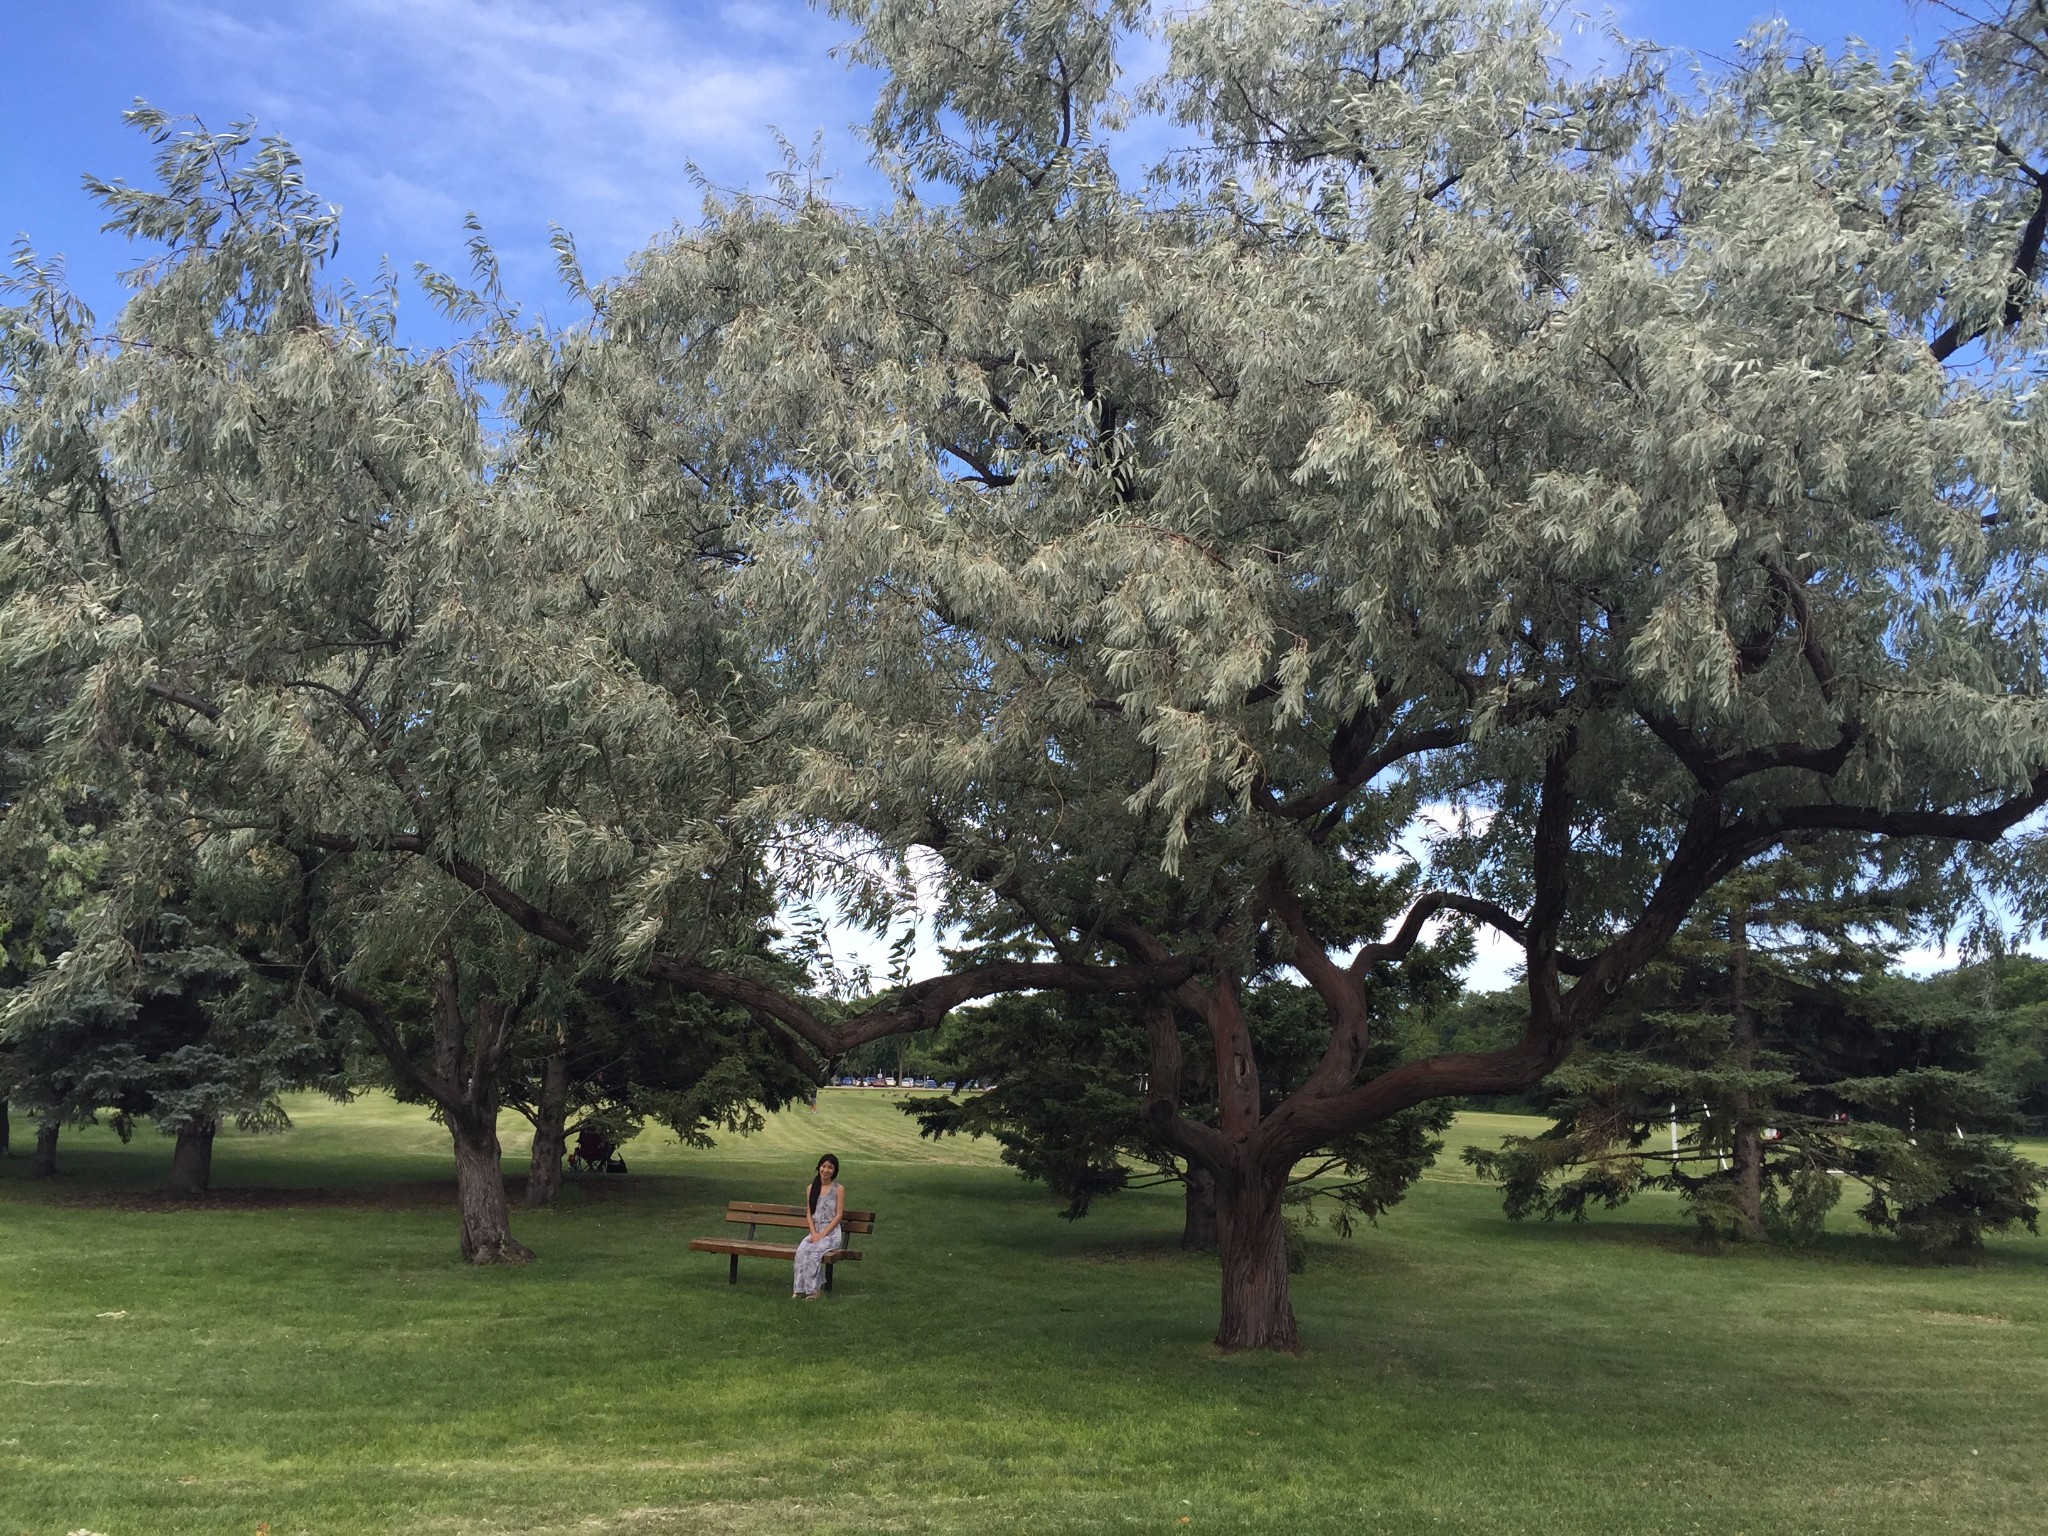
column 326, row 1366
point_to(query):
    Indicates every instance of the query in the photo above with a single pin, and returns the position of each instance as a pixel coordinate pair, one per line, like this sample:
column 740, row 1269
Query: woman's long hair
column 817, row 1185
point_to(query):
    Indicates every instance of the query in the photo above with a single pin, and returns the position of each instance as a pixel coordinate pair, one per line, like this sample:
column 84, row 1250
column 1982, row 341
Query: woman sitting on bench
column 826, row 1203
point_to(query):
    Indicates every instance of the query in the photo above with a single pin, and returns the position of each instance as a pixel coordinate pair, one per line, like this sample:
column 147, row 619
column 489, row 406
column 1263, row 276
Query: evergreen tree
column 1066, row 1090
column 182, row 1023
column 2013, row 990
column 1767, row 1062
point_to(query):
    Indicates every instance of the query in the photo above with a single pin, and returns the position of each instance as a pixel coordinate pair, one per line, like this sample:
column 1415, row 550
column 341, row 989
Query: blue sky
column 589, row 113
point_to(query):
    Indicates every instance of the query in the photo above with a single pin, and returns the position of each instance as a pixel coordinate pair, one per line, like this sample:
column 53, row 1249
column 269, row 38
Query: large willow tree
column 1540, row 496
column 288, row 604
column 1448, row 491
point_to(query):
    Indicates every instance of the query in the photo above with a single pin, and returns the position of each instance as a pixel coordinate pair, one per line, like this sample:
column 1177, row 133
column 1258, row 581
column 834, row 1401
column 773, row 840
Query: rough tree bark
column 1241, row 1162
column 467, row 1053
column 1258, row 1306
column 46, row 1149
column 192, row 1159
column 1747, row 1159
column 480, row 1190
column 550, row 1134
column 462, row 1081
column 1198, row 1227
column 3, row 1128
column 1250, row 1236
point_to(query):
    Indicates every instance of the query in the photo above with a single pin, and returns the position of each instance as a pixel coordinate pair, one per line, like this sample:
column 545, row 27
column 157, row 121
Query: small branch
column 385, row 1033
column 204, row 708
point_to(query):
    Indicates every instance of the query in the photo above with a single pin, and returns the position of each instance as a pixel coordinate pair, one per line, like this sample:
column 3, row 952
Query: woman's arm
column 838, row 1213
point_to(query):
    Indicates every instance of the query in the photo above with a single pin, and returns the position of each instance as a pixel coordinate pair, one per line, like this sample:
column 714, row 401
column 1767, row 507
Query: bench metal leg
column 828, row 1276
column 732, row 1273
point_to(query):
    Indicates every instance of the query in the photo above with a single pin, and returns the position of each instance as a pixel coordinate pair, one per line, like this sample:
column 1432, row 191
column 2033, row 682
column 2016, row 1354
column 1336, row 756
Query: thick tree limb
column 920, row 1005
column 1342, row 995
column 1163, row 1119
column 2026, row 264
column 385, row 1032
column 1985, row 826
column 1713, row 773
column 1551, row 866
column 1304, row 1122
column 1353, row 770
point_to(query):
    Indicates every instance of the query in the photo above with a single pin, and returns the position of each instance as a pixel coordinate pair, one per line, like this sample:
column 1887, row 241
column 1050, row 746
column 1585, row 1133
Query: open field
column 320, row 1362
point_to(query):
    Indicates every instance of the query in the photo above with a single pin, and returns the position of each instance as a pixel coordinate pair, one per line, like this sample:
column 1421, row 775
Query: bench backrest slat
column 757, row 1213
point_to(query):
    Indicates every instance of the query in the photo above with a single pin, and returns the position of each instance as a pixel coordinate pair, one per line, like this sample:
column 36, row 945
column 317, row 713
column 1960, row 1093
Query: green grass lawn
column 319, row 1361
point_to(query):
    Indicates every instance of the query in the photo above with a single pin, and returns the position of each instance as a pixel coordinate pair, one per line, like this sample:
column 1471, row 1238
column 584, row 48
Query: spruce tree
column 1767, row 1063
column 1067, row 1084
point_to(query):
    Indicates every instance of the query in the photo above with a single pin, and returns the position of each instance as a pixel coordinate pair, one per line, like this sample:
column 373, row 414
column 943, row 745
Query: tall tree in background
column 2012, row 991
column 278, row 599
column 1767, row 1062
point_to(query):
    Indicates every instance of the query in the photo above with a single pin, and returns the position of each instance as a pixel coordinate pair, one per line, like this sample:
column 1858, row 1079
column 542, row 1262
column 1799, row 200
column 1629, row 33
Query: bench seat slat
column 749, row 1250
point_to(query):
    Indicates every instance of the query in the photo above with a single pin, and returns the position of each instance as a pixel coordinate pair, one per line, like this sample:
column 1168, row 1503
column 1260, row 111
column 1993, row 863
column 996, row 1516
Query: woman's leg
column 806, row 1268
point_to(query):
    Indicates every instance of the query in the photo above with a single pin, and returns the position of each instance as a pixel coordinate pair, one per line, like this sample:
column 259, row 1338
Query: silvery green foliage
column 1600, row 481
column 273, row 581
column 1443, row 478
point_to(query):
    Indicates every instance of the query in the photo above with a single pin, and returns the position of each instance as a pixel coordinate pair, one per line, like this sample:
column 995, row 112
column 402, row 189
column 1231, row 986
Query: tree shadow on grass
column 1830, row 1249
column 1122, row 1249
column 405, row 1195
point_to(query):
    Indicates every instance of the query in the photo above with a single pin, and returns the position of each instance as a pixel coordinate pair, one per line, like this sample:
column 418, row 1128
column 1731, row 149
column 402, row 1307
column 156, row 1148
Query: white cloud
column 589, row 115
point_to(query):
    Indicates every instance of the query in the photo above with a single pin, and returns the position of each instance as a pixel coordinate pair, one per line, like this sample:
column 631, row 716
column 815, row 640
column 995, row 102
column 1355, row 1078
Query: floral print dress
column 810, row 1253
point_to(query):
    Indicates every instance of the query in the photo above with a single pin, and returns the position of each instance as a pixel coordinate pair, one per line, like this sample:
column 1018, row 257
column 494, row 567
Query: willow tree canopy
column 1446, row 487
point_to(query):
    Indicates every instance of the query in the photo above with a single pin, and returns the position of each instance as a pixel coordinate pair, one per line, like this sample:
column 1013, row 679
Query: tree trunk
column 192, row 1161
column 1198, row 1229
column 480, row 1192
column 1747, row 1170
column 1258, row 1312
column 3, row 1128
column 1747, row 1158
column 46, row 1149
column 463, row 1082
column 550, row 1135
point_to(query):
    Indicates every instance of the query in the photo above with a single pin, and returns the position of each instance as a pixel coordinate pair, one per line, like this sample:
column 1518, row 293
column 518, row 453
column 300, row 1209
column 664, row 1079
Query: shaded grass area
column 324, row 1364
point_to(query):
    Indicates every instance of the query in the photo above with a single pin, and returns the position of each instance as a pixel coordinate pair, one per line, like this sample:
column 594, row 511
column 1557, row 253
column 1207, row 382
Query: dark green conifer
column 1769, row 1064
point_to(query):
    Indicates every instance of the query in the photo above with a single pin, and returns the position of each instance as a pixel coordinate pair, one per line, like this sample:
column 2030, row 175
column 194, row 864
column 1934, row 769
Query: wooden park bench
column 757, row 1215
